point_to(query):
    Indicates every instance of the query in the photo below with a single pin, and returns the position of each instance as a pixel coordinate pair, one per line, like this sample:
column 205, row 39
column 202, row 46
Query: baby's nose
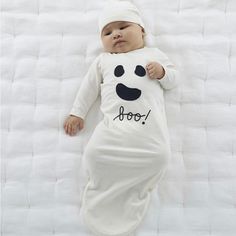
column 116, row 34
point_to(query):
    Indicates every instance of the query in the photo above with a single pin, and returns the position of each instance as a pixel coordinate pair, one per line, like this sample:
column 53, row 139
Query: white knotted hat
column 119, row 11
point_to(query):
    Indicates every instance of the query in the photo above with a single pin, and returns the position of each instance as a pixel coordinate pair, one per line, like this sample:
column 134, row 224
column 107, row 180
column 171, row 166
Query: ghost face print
column 127, row 93
column 124, row 92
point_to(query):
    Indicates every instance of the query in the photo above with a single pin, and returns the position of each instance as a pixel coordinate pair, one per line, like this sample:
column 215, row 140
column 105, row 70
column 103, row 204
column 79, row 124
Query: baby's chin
column 120, row 51
column 123, row 49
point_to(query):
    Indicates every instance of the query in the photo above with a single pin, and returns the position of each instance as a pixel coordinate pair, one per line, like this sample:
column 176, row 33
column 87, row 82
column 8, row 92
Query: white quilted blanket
column 47, row 47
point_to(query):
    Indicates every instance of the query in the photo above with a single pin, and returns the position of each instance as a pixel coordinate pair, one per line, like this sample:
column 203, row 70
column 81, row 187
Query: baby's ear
column 143, row 32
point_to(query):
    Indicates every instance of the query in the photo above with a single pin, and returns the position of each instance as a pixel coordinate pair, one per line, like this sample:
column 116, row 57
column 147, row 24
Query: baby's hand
column 155, row 70
column 73, row 124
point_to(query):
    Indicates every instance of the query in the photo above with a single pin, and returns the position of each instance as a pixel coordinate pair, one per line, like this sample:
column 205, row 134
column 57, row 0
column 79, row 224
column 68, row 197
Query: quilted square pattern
column 47, row 47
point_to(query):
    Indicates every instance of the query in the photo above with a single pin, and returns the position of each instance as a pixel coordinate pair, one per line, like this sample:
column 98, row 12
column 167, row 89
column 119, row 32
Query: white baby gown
column 129, row 149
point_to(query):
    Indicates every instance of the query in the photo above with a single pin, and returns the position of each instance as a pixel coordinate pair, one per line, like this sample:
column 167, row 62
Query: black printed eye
column 140, row 71
column 119, row 71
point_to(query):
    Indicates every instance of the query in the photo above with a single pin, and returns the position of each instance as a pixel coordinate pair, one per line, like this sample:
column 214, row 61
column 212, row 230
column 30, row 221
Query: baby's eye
column 123, row 27
column 107, row 33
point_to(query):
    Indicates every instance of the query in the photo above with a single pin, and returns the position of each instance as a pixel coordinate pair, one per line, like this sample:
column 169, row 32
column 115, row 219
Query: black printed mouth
column 126, row 93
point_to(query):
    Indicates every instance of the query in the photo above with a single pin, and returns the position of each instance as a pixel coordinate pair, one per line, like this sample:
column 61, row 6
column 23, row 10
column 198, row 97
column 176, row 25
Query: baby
column 129, row 149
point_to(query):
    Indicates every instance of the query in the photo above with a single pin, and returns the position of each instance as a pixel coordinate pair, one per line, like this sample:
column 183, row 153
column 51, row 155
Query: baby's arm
column 163, row 70
column 86, row 96
column 73, row 124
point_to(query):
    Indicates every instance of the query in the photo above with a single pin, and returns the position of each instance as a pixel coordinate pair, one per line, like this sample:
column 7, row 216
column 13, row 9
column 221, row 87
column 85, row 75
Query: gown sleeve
column 171, row 77
column 88, row 90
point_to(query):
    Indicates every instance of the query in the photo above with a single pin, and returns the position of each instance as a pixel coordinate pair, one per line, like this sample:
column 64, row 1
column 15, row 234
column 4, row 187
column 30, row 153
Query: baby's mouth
column 119, row 42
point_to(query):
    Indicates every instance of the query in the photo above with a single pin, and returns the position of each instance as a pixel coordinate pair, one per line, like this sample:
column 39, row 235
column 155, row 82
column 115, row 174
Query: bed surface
column 47, row 47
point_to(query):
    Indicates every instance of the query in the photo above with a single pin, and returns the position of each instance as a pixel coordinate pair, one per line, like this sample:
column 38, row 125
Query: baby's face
column 122, row 36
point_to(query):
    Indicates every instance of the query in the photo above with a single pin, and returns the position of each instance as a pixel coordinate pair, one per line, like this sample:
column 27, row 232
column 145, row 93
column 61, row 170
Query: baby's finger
column 66, row 127
column 81, row 126
column 151, row 69
column 148, row 66
column 74, row 130
column 69, row 129
column 152, row 75
column 151, row 64
column 151, row 72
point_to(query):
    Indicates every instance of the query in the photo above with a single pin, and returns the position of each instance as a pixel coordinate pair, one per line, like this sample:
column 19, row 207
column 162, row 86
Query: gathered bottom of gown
column 123, row 168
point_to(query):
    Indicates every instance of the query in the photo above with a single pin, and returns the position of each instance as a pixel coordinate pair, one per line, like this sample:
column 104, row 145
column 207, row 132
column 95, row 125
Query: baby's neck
column 127, row 51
